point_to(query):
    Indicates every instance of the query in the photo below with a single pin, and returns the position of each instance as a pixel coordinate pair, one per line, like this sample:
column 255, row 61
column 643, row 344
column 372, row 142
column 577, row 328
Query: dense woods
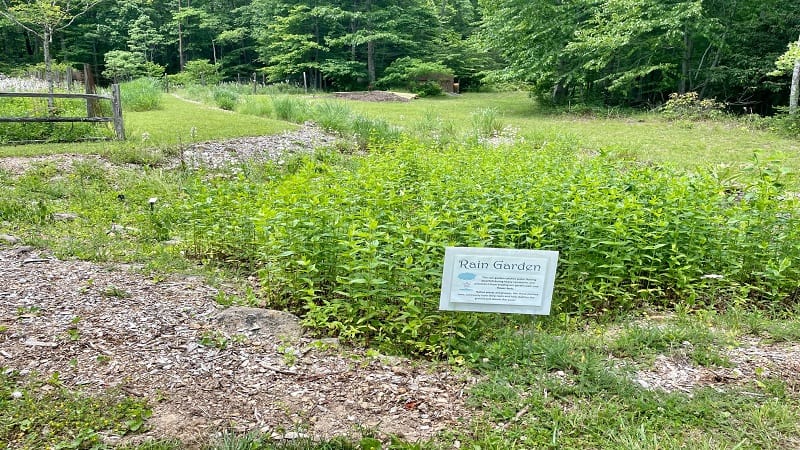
column 614, row 52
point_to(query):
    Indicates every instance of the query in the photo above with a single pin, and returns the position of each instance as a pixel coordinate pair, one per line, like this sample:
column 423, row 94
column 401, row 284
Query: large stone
column 258, row 321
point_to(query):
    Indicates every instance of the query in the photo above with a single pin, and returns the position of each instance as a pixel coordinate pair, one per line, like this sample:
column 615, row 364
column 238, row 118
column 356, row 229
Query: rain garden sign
column 498, row 280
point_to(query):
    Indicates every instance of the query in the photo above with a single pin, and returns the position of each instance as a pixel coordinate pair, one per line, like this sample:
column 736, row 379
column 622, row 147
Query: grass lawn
column 643, row 136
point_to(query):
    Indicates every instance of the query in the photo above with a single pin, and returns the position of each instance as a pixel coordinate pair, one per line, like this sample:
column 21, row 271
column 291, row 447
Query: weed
column 115, row 292
column 32, row 417
column 215, row 339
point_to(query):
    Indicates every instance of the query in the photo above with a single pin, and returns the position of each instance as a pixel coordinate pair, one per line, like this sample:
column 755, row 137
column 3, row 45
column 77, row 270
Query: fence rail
column 91, row 117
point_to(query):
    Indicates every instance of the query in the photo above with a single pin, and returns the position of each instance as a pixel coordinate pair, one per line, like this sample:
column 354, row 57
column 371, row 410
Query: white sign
column 498, row 280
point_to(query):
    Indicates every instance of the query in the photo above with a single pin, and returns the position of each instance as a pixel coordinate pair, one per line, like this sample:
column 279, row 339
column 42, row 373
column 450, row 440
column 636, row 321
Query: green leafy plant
column 689, row 106
column 32, row 417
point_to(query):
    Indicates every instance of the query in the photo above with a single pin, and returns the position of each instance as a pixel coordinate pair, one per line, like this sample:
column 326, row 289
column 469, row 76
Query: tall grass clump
column 142, row 94
column 486, row 122
column 357, row 248
column 225, row 98
column 255, row 105
column 289, row 108
column 333, row 116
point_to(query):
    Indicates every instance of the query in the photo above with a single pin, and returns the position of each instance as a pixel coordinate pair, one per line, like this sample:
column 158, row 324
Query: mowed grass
column 641, row 136
column 179, row 122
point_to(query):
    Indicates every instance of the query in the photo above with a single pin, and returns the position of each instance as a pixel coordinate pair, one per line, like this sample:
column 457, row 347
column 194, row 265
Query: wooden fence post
column 116, row 106
column 90, row 88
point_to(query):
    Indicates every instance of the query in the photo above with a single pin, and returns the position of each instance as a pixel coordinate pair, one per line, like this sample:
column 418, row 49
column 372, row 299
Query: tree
column 531, row 35
column 44, row 18
column 641, row 48
column 791, row 61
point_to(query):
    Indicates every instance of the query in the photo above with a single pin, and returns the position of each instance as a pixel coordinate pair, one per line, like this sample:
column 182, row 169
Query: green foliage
column 47, row 131
column 427, row 89
column 292, row 109
column 785, row 62
column 199, row 71
column 142, row 94
column 225, row 98
column 689, row 106
column 486, row 122
column 357, row 248
column 44, row 413
column 415, row 75
column 122, row 65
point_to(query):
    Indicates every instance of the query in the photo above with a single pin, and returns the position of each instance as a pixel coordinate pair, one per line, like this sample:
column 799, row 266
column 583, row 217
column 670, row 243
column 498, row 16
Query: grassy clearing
column 643, row 136
column 355, row 244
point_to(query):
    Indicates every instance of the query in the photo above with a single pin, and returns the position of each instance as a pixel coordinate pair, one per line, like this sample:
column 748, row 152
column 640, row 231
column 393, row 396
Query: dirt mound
column 373, row 96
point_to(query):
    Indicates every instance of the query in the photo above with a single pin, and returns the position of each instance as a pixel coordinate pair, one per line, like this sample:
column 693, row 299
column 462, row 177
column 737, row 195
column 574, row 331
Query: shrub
column 427, row 89
column 416, row 75
column 689, row 106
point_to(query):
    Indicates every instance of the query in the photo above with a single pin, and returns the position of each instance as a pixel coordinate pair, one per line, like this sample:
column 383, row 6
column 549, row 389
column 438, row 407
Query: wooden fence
column 91, row 109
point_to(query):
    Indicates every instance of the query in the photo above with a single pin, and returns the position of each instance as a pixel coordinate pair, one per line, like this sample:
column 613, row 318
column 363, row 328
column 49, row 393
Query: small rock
column 9, row 239
column 64, row 217
column 259, row 321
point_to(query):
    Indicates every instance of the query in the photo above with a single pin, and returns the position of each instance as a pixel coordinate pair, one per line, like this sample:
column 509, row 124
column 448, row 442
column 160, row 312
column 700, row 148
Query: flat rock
column 9, row 239
column 258, row 321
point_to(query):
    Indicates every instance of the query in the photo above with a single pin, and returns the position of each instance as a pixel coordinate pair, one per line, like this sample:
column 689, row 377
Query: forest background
column 612, row 52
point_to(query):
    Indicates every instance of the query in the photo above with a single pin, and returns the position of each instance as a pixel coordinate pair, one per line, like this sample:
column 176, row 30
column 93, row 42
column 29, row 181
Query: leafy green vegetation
column 37, row 413
column 142, row 94
column 356, row 247
column 16, row 107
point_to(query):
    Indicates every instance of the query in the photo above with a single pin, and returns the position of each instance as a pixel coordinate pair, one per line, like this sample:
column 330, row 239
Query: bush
column 408, row 73
column 427, row 89
column 689, row 106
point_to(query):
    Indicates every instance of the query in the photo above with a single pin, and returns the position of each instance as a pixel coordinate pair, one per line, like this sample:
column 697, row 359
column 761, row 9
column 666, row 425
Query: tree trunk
column 371, row 62
column 48, row 66
column 181, row 59
column 683, row 85
column 794, row 91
